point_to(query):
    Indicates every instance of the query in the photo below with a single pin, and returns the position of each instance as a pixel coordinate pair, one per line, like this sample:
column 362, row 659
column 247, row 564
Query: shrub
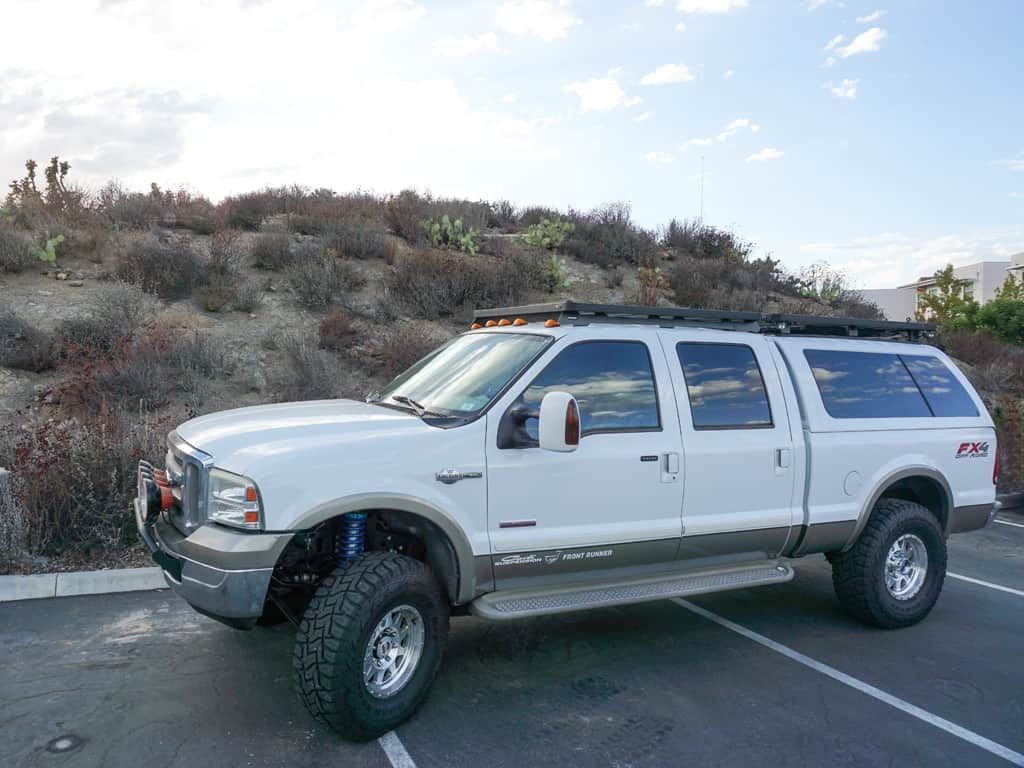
column 549, row 233
column 336, row 330
column 316, row 277
column 502, row 215
column 22, row 345
column 272, row 250
column 652, row 284
column 607, row 236
column 446, row 233
column 307, row 372
column 167, row 267
column 1004, row 318
column 113, row 312
column 535, row 214
column 432, row 284
column 703, row 241
column 74, row 479
column 248, row 296
column 1001, row 363
column 247, row 211
column 358, row 241
column 15, row 252
column 399, row 346
column 143, row 370
column 221, row 278
column 406, row 212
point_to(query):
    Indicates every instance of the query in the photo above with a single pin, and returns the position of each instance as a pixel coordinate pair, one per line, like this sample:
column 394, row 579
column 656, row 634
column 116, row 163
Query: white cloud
column 666, row 74
column 681, row 26
column 873, row 16
column 768, row 153
column 654, row 3
column 1015, row 163
column 466, row 45
column 866, row 42
column 663, row 158
column 614, row 72
column 728, row 73
column 643, row 117
column 543, row 19
column 695, row 143
column 736, row 126
column 813, row 5
column 889, row 259
column 834, row 42
column 510, row 98
column 390, row 13
column 847, row 89
column 709, row 6
column 601, row 94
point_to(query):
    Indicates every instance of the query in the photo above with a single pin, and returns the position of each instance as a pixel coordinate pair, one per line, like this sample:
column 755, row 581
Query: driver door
column 616, row 501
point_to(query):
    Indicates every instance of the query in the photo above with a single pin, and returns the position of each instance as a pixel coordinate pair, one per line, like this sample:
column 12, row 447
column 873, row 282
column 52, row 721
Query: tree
column 1004, row 317
column 946, row 305
column 1012, row 289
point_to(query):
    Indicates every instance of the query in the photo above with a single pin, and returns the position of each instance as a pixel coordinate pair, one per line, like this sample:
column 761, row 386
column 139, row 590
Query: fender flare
column 902, row 474
column 467, row 577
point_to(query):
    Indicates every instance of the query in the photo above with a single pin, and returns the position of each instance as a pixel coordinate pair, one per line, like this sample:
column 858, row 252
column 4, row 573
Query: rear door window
column 865, row 385
column 724, row 385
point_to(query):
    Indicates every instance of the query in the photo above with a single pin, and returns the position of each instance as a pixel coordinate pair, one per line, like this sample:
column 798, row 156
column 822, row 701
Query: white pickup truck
column 570, row 456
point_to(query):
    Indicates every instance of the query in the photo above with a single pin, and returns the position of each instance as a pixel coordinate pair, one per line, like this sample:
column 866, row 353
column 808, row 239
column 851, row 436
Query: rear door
column 739, row 497
column 616, row 500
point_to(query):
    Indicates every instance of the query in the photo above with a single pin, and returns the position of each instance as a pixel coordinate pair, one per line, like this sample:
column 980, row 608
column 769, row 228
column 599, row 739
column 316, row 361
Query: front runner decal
column 550, row 558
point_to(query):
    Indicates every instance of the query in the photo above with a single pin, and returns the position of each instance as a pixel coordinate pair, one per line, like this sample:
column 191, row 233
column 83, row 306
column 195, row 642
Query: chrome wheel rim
column 393, row 652
column 906, row 567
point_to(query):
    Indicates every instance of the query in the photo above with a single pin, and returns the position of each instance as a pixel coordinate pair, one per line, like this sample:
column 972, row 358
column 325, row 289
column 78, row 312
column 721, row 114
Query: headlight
column 234, row 500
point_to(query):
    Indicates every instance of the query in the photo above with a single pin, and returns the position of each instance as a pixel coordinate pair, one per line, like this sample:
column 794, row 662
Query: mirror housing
column 559, row 422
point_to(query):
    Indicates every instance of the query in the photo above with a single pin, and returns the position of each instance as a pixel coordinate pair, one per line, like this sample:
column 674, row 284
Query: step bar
column 516, row 604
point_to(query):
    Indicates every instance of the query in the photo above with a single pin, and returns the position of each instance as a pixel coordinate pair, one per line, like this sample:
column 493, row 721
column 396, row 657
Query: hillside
column 160, row 305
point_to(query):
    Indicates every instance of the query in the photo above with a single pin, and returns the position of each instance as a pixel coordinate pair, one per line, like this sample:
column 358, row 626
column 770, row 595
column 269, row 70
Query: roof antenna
column 701, row 217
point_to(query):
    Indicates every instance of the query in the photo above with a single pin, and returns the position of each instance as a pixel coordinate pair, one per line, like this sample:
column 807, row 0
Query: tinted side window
column 944, row 393
column 725, row 386
column 612, row 381
column 865, row 385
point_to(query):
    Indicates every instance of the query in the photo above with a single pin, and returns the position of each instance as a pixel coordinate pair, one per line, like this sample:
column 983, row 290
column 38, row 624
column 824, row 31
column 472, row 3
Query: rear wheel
column 370, row 644
column 893, row 574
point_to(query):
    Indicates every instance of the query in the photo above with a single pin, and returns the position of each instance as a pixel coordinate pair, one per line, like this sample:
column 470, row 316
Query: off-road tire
column 337, row 627
column 858, row 574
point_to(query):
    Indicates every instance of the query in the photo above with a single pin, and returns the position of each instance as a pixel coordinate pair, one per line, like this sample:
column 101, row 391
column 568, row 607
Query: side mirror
column 559, row 422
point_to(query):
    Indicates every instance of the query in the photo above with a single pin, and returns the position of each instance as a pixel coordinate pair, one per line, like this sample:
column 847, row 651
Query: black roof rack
column 571, row 312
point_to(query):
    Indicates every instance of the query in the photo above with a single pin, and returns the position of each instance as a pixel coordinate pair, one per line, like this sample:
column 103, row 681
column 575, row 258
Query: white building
column 979, row 281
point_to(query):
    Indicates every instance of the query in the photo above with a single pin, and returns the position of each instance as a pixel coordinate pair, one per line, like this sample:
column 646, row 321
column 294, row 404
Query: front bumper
column 221, row 573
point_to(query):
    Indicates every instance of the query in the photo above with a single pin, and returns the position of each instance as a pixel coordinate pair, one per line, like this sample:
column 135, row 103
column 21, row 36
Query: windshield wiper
column 420, row 409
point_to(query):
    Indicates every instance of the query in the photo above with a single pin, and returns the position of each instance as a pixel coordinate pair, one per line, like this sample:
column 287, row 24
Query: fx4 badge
column 450, row 476
column 972, row 450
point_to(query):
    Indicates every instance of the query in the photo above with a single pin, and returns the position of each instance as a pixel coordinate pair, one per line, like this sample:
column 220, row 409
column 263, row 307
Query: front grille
column 190, row 466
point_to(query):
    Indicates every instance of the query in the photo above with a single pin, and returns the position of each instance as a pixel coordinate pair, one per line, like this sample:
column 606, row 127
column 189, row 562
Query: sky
column 886, row 138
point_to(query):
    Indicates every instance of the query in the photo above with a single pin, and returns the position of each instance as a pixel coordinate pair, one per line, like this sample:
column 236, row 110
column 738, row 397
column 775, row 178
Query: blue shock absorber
column 352, row 539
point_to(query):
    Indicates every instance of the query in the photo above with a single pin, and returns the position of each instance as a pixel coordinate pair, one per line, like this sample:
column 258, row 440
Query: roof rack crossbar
column 570, row 312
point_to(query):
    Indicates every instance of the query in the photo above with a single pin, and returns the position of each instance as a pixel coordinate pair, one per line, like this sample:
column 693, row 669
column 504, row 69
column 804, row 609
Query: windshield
column 461, row 378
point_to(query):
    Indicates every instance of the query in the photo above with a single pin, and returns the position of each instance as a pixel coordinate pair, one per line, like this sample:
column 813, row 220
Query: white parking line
column 988, row 584
column 395, row 750
column 1007, row 522
column 1016, row 758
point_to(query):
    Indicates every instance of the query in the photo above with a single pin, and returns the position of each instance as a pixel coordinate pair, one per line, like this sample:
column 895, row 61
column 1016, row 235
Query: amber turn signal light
column 490, row 324
column 519, row 321
column 475, row 327
column 552, row 323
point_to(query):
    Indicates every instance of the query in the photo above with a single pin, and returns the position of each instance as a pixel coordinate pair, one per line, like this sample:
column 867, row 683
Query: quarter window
column 612, row 381
column 724, row 385
column 944, row 393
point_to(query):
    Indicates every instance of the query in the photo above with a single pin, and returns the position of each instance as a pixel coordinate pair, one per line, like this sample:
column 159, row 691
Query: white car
column 569, row 456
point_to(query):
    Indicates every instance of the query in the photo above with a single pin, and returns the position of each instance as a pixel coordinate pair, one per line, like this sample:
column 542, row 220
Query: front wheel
column 893, row 574
column 370, row 644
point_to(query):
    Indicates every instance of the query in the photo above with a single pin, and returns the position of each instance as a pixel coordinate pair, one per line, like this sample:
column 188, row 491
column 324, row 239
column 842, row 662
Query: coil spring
column 352, row 538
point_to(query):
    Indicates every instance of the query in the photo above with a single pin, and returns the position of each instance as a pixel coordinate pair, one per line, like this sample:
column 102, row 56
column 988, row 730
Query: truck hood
column 244, row 437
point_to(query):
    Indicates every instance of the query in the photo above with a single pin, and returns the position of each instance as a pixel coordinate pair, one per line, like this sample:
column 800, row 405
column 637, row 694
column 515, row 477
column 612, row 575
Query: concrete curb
column 80, row 583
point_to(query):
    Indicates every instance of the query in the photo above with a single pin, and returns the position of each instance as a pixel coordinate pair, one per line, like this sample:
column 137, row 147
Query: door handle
column 669, row 467
column 782, row 458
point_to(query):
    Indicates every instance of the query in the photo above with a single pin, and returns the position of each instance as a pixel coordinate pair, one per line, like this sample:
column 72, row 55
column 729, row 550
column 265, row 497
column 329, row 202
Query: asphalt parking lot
column 771, row 676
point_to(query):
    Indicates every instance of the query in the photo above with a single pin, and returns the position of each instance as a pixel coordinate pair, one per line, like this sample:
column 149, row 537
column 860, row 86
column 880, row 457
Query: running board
column 515, row 604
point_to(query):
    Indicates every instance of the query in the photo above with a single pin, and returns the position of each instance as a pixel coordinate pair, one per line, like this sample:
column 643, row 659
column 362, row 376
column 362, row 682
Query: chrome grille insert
column 192, row 466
